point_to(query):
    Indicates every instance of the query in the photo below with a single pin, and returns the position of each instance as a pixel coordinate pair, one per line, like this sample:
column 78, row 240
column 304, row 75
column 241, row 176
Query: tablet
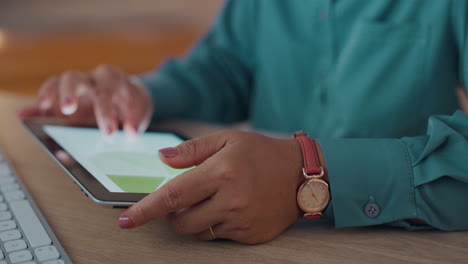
column 113, row 171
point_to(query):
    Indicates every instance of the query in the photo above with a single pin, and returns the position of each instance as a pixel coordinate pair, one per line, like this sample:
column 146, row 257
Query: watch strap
column 312, row 216
column 312, row 166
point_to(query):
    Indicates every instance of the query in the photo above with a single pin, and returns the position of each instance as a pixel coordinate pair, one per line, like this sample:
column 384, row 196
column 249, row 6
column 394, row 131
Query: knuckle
column 67, row 75
column 232, row 136
column 170, row 198
column 51, row 80
column 238, row 205
column 190, row 147
column 103, row 68
column 141, row 214
column 107, row 71
column 226, row 174
column 69, row 80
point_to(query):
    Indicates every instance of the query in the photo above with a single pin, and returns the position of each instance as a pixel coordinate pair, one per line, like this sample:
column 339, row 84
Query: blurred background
column 40, row 38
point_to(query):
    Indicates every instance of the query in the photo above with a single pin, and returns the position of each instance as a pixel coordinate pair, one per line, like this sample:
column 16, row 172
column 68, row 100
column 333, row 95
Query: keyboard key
column 20, row 256
column 47, row 253
column 15, row 245
column 3, row 262
column 14, row 196
column 5, row 216
column 10, row 235
column 7, row 173
column 29, row 262
column 7, row 225
column 1, row 197
column 7, row 179
column 57, row 261
column 5, row 169
column 2, row 256
column 8, row 187
column 3, row 207
column 32, row 227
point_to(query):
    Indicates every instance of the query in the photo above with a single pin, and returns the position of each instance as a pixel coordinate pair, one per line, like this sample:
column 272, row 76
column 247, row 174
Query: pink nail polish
column 67, row 100
column 109, row 129
column 169, row 152
column 126, row 222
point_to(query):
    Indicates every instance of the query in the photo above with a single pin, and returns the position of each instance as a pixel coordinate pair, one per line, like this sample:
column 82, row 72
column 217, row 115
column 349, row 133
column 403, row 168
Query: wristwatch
column 313, row 196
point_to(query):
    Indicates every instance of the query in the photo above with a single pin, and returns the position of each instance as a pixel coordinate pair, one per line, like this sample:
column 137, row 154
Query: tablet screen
column 121, row 164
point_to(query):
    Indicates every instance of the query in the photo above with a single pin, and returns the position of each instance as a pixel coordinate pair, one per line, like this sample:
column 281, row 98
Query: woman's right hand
column 106, row 97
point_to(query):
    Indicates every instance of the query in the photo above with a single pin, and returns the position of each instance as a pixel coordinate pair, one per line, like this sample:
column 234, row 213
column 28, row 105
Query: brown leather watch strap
column 312, row 166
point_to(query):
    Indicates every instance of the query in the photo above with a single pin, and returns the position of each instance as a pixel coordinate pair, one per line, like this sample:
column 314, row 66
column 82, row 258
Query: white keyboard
column 25, row 236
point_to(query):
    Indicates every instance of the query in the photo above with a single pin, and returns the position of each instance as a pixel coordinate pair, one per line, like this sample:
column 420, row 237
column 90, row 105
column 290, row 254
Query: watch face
column 313, row 196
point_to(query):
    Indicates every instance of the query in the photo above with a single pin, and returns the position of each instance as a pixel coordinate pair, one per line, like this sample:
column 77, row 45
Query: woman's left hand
column 243, row 186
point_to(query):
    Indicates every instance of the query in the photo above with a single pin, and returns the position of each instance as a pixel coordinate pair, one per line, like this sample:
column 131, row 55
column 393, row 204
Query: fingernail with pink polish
column 126, row 222
column 69, row 109
column 109, row 129
column 169, row 152
column 67, row 100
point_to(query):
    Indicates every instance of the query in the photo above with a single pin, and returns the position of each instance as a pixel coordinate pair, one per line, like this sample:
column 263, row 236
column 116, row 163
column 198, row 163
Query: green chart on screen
column 136, row 172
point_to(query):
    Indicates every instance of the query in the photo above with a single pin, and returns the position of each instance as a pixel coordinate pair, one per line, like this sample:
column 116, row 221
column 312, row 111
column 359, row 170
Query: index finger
column 48, row 94
column 106, row 79
column 183, row 191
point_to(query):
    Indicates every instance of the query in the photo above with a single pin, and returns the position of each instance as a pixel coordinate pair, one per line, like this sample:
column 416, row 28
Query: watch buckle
column 313, row 176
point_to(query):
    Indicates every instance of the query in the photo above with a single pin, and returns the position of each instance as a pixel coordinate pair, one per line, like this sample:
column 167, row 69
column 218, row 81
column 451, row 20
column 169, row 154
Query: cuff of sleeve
column 371, row 181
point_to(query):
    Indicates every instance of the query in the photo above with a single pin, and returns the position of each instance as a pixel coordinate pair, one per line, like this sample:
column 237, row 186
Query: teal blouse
column 373, row 80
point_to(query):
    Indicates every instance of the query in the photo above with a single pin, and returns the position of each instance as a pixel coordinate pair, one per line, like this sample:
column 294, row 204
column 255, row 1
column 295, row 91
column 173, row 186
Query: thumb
column 192, row 152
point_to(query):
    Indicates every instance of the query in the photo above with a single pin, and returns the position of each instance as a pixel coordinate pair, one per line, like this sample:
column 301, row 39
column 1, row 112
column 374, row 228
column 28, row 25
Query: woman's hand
column 244, row 187
column 106, row 97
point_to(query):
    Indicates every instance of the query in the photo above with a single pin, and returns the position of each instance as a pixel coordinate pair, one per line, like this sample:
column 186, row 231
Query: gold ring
column 212, row 233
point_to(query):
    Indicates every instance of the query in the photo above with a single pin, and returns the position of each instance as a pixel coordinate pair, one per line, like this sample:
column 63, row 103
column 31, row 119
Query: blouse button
column 372, row 210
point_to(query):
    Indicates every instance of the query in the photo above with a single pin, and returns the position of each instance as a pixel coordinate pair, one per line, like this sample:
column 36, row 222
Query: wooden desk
column 89, row 233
